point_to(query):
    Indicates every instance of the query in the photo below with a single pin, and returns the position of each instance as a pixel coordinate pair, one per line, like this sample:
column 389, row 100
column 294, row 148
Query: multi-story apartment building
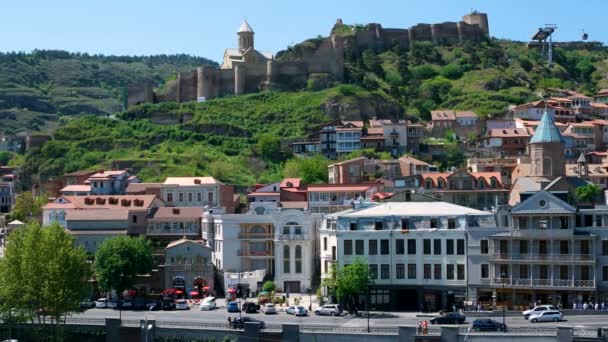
column 280, row 241
column 191, row 191
column 172, row 223
column 584, row 136
column 348, row 137
column 113, row 182
column 187, row 266
column 416, row 251
column 8, row 184
column 331, row 198
column 545, row 250
column 507, row 141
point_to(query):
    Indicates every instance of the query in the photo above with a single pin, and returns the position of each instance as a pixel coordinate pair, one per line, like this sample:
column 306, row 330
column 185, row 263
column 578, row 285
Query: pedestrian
column 597, row 306
column 585, row 306
column 425, row 327
column 419, row 327
column 603, row 306
column 478, row 307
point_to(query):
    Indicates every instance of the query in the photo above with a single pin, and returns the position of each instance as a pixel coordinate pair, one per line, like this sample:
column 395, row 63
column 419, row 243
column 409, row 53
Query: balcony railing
column 543, row 257
column 172, row 232
column 240, row 252
column 256, row 236
column 189, row 267
column 293, row 237
column 527, row 282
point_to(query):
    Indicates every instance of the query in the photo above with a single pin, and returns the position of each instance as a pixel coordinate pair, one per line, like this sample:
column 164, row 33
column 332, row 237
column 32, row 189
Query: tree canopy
column 588, row 193
column 42, row 275
column 27, row 206
column 120, row 260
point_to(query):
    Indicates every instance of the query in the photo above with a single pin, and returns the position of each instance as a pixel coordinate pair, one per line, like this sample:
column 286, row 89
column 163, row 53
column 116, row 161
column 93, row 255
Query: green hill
column 37, row 87
column 238, row 138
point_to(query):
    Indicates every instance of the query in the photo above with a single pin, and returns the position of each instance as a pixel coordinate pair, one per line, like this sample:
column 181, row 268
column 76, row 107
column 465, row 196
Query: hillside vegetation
column 238, row 138
column 37, row 87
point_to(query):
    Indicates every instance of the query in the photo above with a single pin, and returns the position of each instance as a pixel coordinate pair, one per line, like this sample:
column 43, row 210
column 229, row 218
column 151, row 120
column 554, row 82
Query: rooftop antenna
column 544, row 37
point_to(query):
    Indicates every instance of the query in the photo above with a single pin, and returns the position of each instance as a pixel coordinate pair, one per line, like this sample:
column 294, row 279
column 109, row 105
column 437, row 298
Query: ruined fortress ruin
column 247, row 70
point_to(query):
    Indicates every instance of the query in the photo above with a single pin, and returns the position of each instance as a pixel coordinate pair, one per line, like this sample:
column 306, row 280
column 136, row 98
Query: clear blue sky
column 205, row 28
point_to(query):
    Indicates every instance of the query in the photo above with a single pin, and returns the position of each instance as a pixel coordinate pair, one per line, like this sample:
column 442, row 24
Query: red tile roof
column 177, row 214
column 443, row 115
column 339, row 187
column 295, row 183
column 508, row 132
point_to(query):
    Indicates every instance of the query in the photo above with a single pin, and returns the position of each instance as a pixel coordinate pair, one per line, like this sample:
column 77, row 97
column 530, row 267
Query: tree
column 587, row 193
column 452, row 71
column 269, row 286
column 120, row 260
column 372, row 62
column 27, row 206
column 42, row 275
column 269, row 147
column 352, row 280
column 311, row 170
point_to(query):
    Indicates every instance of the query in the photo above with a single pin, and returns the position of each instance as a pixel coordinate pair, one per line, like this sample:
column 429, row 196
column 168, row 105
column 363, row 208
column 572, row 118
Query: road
column 378, row 320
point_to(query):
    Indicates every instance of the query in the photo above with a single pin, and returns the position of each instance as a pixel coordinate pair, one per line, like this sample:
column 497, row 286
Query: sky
column 205, row 28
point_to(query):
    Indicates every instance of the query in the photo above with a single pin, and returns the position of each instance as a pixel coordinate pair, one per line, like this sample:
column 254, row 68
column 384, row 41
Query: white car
column 269, row 309
column 181, row 304
column 112, row 304
column 101, row 303
column 538, row 309
column 546, row 316
column 208, row 304
column 300, row 311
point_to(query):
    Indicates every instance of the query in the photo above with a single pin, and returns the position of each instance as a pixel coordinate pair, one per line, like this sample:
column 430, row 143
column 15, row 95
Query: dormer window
column 378, row 225
column 434, row 222
column 493, row 183
column 428, row 183
column 480, row 183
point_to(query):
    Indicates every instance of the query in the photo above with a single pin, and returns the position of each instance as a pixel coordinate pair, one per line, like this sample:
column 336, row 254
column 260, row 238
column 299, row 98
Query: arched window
column 428, row 183
column 181, row 197
column 440, row 184
column 547, row 167
column 257, row 230
column 480, row 183
column 286, row 261
column 259, row 211
column 189, row 197
column 298, row 259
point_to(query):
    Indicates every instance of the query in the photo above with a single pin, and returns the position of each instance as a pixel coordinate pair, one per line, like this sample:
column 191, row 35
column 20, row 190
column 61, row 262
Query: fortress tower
column 245, row 36
column 479, row 19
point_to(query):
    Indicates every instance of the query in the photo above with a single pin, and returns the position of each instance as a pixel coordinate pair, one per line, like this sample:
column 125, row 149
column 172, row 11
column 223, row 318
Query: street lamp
column 504, row 280
column 120, row 299
column 367, row 304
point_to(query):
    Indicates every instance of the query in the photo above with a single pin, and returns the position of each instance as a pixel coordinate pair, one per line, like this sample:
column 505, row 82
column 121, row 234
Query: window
column 411, row 246
column 169, row 197
column 563, row 272
column 451, row 223
column 181, row 197
column 563, row 247
column 523, row 271
column 460, row 246
column 385, row 271
column 436, row 247
column 543, row 222
column 333, row 253
column 348, row 247
column 400, row 246
column 449, row 247
column 563, row 222
column 449, row 272
column 543, row 247
column 298, row 259
column 384, row 247
column 460, row 272
column 543, row 271
column 373, row 271
column 189, row 197
column 427, row 246
column 353, row 226
column 604, row 247
column 199, row 197
column 434, row 222
column 523, row 223
column 427, row 271
column 324, row 243
column 485, row 271
column 378, row 225
column 286, row 230
column 437, row 271
column 484, row 247
column 523, row 246
column 400, row 271
column 411, row 271
column 605, row 273
column 286, row 261
column 598, row 221
column 359, row 248
column 405, row 224
column 134, row 218
column 373, row 247
column 585, row 247
column 211, row 197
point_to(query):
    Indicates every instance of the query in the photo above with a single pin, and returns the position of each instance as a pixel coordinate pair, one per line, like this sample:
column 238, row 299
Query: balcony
column 162, row 232
column 536, row 283
column 189, row 267
column 253, row 236
column 394, row 134
column 260, row 254
column 293, row 237
column 538, row 257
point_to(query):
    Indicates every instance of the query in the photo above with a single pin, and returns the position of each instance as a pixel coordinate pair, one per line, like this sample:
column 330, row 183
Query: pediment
column 543, row 202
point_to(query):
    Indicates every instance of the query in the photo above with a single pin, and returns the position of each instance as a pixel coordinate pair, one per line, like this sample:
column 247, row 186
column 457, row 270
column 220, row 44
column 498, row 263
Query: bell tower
column 245, row 36
column 547, row 150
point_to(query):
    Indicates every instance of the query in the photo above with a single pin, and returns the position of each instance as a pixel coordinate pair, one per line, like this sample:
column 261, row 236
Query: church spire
column 547, row 149
column 546, row 131
column 245, row 36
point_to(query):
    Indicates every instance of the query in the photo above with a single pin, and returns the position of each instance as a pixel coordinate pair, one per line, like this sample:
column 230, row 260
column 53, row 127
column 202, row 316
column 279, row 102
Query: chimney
column 102, row 171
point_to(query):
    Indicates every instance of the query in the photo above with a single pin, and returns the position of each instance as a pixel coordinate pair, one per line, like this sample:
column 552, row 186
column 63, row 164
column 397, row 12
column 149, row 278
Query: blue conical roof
column 546, row 132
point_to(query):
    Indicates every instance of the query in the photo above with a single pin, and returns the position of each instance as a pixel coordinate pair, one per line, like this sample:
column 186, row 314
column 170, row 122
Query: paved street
column 378, row 319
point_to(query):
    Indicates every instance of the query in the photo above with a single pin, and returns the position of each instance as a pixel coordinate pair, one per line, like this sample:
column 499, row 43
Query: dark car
column 140, row 304
column 167, row 304
column 488, row 325
column 251, row 307
column 239, row 323
column 153, row 306
column 449, row 318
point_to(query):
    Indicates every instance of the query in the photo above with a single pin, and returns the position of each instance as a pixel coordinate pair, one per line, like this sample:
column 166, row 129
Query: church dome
column 245, row 27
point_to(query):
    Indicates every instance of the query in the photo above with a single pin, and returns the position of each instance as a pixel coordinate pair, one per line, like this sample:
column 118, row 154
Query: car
column 291, row 310
column 153, row 306
column 232, row 307
column 449, row 318
column 126, row 304
column 239, row 323
column 113, row 304
column 300, row 311
column 182, row 304
column 167, row 304
column 250, row 307
column 139, row 304
column 329, row 309
column 537, row 309
column 486, row 324
column 87, row 304
column 101, row 303
column 269, row 309
column 208, row 304
column 546, row 316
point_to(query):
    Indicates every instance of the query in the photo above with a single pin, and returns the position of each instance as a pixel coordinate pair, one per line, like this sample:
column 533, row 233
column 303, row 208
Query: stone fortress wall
column 324, row 57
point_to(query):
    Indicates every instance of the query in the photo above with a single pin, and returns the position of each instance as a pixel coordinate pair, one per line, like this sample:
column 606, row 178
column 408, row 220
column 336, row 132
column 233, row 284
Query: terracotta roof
column 257, row 193
column 559, row 99
column 599, row 105
column 142, row 187
column 508, row 132
column 339, row 187
column 107, row 174
column 372, row 137
column 59, row 206
column 76, row 188
column 354, row 123
column 466, row 114
column 190, row 181
column 413, row 160
column 97, row 232
column 81, row 173
column 602, row 92
column 177, row 213
column 382, row 195
column 439, row 115
column 96, row 215
column 375, row 130
column 115, row 202
column 295, row 183
column 294, row 204
column 582, row 124
column 349, row 161
column 294, row 190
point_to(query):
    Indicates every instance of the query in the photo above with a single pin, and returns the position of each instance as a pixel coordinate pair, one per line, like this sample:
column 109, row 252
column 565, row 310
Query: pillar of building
column 239, row 79
column 270, row 71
